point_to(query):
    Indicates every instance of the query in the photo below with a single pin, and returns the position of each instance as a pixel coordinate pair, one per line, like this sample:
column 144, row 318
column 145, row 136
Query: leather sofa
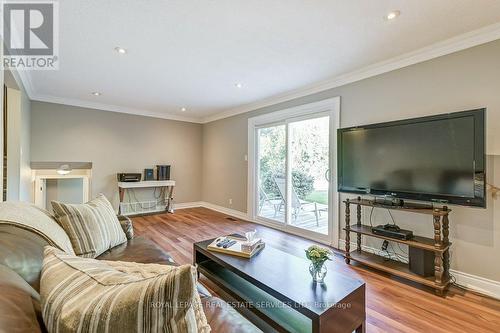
column 21, row 256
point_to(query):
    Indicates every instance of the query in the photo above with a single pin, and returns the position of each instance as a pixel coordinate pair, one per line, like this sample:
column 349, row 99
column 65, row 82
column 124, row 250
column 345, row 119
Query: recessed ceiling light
column 120, row 50
column 183, row 109
column 392, row 15
column 239, row 85
column 96, row 93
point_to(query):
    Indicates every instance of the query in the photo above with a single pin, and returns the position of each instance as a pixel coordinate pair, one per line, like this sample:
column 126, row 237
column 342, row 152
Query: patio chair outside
column 264, row 198
column 298, row 204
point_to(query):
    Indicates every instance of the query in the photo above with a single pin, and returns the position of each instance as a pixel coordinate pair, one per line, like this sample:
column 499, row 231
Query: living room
column 352, row 146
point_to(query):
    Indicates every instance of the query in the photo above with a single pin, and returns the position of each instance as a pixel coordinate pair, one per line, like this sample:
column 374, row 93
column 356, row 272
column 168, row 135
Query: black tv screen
column 438, row 158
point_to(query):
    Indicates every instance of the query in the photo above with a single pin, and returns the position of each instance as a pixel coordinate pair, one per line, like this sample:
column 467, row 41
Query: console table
column 168, row 185
column 275, row 291
column 439, row 245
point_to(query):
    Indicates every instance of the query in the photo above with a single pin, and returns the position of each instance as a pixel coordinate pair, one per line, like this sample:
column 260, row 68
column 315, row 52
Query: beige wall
column 460, row 81
column 117, row 142
column 13, row 143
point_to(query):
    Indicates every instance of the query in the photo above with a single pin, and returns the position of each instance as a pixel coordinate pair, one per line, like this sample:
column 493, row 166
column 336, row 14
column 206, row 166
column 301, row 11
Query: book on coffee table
column 239, row 246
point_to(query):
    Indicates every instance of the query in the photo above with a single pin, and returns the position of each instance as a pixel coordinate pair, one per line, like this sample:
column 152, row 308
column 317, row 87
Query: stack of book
column 163, row 172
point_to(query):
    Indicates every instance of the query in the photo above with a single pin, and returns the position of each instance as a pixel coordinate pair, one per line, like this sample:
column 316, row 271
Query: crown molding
column 23, row 81
column 25, row 78
column 111, row 108
column 448, row 46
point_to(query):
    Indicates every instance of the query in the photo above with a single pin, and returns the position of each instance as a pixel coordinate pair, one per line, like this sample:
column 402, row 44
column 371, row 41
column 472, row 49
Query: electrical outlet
column 230, row 201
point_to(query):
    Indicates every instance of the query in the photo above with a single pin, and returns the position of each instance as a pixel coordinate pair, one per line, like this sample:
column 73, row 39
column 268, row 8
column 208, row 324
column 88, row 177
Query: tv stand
column 440, row 244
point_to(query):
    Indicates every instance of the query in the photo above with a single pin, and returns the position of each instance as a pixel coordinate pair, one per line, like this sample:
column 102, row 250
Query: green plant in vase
column 318, row 256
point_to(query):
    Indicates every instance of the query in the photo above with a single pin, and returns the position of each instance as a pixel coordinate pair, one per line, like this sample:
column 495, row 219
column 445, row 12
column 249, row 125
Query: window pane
column 271, row 147
column 309, row 146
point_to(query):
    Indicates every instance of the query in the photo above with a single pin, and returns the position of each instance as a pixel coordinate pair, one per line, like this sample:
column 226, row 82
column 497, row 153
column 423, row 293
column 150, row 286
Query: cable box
column 392, row 231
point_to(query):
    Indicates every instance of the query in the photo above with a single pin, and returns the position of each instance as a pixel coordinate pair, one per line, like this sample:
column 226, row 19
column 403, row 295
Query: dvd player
column 392, row 231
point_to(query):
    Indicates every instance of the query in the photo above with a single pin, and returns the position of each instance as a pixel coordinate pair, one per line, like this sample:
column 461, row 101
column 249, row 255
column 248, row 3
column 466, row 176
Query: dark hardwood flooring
column 393, row 305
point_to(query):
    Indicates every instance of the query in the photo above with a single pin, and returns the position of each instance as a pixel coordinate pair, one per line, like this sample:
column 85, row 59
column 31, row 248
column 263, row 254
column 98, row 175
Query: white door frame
column 1, row 123
column 40, row 188
column 330, row 107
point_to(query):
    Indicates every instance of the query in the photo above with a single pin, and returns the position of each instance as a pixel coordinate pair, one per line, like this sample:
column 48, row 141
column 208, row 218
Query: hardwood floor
column 393, row 305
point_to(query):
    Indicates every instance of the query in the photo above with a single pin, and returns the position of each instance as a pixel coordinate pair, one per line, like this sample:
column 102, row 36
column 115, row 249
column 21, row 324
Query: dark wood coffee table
column 277, row 288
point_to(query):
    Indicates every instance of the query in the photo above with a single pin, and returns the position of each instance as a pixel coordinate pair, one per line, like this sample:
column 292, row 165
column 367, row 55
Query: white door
column 292, row 163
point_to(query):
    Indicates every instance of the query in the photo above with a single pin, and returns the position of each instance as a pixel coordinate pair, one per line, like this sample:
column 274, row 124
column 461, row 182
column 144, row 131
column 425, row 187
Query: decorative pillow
column 93, row 228
column 88, row 295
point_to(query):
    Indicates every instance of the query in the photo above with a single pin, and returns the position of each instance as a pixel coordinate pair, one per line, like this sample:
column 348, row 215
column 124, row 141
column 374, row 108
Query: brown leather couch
column 21, row 256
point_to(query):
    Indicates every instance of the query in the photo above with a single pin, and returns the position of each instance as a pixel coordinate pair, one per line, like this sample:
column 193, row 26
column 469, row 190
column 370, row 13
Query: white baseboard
column 224, row 210
column 477, row 283
column 465, row 280
column 217, row 208
column 183, row 205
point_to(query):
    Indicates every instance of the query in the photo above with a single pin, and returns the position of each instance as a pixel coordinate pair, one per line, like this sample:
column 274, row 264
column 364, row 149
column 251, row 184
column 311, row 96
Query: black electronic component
column 393, row 231
column 129, row 177
column 438, row 158
column 421, row 261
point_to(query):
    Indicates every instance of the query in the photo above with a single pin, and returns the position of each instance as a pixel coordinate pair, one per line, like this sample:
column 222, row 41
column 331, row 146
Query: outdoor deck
column 306, row 219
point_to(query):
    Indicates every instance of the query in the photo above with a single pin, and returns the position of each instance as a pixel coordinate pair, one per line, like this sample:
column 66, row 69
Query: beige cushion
column 93, row 228
column 88, row 295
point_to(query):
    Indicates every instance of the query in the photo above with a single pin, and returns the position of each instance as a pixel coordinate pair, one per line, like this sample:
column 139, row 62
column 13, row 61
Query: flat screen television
column 438, row 158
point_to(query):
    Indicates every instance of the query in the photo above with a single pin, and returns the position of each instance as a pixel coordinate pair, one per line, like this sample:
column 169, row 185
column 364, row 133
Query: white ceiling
column 191, row 53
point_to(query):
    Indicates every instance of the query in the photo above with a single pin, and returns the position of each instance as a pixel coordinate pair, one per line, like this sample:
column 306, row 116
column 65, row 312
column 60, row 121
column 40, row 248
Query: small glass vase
column 318, row 272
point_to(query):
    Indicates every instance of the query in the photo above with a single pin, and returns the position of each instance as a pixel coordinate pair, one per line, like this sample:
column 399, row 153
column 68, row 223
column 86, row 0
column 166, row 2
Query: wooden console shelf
column 412, row 208
column 417, row 241
column 393, row 267
column 439, row 245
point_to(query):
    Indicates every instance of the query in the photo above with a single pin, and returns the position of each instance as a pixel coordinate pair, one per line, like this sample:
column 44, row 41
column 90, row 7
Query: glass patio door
column 292, row 175
column 271, row 159
column 309, row 163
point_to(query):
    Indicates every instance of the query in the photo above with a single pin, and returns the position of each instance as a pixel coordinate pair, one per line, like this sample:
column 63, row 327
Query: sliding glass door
column 309, row 163
column 271, row 147
column 292, row 171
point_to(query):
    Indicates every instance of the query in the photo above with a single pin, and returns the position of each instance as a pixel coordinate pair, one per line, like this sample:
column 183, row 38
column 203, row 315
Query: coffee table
column 277, row 289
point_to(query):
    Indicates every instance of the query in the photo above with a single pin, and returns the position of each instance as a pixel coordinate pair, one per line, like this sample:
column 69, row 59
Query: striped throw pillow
column 88, row 295
column 93, row 228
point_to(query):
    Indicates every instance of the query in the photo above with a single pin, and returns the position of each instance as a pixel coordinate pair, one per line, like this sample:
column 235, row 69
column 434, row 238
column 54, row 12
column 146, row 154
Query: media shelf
column 392, row 267
column 439, row 245
column 424, row 243
column 412, row 208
